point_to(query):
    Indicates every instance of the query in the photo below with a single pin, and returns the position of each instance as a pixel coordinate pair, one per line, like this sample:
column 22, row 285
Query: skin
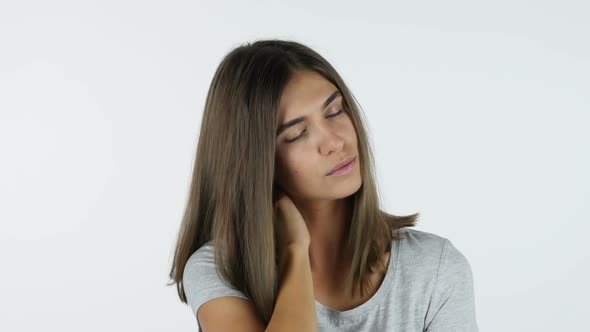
column 302, row 166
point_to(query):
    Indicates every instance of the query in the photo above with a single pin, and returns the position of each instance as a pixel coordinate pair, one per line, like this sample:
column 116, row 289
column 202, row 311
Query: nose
column 330, row 142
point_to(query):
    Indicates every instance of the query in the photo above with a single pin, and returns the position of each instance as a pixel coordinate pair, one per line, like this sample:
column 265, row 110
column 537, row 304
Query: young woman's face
column 308, row 150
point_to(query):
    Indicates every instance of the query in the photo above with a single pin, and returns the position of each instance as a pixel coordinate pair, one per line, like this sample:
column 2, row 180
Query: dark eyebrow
column 293, row 122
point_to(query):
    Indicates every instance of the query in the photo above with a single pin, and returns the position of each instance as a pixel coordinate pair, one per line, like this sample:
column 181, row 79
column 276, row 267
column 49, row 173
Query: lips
column 342, row 163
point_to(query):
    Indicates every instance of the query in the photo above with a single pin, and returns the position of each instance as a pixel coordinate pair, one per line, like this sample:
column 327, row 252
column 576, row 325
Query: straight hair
column 230, row 199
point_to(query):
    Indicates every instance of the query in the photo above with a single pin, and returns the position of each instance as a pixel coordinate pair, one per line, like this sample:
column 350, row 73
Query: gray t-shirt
column 428, row 287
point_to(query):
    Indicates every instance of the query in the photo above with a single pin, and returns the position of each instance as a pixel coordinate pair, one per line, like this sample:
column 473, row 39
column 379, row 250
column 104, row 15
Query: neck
column 327, row 222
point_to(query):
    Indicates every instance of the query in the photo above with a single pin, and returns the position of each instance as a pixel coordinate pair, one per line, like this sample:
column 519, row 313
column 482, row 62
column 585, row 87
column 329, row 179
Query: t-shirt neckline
column 333, row 314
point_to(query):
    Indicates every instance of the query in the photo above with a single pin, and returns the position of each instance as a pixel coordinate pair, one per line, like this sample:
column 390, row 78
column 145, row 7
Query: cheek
column 295, row 167
column 350, row 128
column 352, row 136
column 286, row 166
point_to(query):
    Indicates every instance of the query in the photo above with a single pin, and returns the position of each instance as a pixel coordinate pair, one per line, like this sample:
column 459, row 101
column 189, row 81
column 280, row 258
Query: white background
column 477, row 112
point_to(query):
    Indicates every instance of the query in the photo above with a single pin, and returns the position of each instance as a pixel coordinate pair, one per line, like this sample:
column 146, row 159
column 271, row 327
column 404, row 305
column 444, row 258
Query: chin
column 345, row 188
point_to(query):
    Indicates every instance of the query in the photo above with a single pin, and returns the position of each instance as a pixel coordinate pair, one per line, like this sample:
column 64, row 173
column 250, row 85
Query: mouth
column 343, row 166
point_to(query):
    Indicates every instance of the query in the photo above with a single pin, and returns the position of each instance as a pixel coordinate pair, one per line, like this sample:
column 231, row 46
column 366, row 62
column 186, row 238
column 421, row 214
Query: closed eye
column 305, row 130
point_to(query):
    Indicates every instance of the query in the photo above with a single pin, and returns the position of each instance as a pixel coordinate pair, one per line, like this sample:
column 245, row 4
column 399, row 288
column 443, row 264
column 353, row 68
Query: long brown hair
column 230, row 200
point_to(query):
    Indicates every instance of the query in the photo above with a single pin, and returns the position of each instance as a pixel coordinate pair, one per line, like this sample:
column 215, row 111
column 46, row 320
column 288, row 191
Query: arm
column 295, row 306
column 294, row 309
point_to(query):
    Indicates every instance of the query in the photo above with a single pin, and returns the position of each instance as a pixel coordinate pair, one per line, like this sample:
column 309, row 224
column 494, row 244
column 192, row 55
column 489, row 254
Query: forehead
column 306, row 91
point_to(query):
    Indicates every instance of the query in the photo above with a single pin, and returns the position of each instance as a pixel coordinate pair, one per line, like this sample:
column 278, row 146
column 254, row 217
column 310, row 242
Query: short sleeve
column 452, row 304
column 202, row 282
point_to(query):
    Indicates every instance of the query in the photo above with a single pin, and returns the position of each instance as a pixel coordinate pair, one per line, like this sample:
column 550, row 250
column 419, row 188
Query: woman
column 283, row 194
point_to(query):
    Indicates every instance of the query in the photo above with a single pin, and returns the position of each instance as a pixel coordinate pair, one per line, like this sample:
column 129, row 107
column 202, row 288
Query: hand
column 290, row 227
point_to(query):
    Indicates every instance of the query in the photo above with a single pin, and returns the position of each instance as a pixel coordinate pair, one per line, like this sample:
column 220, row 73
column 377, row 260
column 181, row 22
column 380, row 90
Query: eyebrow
column 295, row 121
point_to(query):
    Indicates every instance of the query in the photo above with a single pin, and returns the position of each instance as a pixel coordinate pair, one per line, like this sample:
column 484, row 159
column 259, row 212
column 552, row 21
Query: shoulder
column 444, row 275
column 421, row 243
column 203, row 255
column 433, row 250
column 202, row 281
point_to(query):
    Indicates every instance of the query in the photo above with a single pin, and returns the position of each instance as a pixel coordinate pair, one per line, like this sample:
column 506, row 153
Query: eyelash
column 305, row 130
